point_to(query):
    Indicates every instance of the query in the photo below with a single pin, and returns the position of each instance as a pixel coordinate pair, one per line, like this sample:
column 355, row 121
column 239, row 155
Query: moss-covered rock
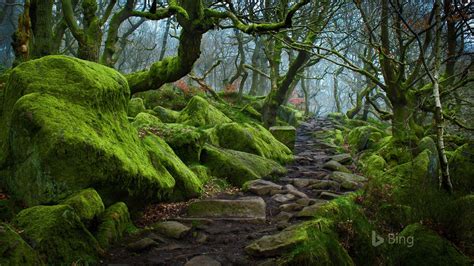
column 320, row 246
column 372, row 164
column 186, row 141
column 393, row 152
column 427, row 248
column 65, row 128
column 250, row 138
column 238, row 167
column 187, row 184
column 201, row 171
column 166, row 115
column 135, row 106
column 87, row 204
column 58, row 235
column 365, row 137
column 114, row 223
column 461, row 166
column 14, row 250
column 200, row 113
column 285, row 135
column 145, row 120
column 167, row 96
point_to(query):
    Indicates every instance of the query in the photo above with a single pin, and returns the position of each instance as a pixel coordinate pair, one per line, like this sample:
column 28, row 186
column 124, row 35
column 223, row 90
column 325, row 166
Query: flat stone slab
column 348, row 181
column 142, row 244
column 284, row 134
column 248, row 208
column 273, row 245
column 343, row 158
column 292, row 190
column 261, row 187
column 202, row 261
column 311, row 210
column 335, row 166
column 283, row 198
column 329, row 195
column 172, row 229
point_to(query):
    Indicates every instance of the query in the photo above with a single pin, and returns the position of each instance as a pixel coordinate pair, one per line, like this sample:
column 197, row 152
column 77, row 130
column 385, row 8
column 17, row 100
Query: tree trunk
column 41, row 12
column 165, row 39
column 445, row 180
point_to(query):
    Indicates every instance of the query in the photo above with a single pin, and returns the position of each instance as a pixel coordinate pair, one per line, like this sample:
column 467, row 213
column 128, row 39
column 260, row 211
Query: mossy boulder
column 285, row 135
column 186, row 141
column 250, row 138
column 135, row 106
column 58, row 234
column 318, row 245
column 166, row 115
column 200, row 113
column 461, row 166
column 365, row 137
column 65, row 128
column 14, row 250
column 238, row 167
column 145, row 120
column 167, row 96
column 427, row 248
column 393, row 152
column 372, row 164
column 87, row 204
column 113, row 224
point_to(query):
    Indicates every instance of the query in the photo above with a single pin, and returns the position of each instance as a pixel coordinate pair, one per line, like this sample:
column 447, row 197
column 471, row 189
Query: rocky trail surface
column 248, row 227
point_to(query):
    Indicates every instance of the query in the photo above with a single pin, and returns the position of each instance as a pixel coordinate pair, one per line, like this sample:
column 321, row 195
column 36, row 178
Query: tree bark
column 445, row 180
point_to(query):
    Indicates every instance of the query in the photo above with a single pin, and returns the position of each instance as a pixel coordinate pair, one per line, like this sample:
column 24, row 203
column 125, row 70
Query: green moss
column 352, row 227
column 338, row 117
column 285, row 135
column 200, row 113
column 238, row 167
column 58, row 234
column 250, row 138
column 331, row 138
column 365, row 137
column 461, row 166
column 201, row 171
column 144, row 120
column 289, row 115
column 459, row 215
column 186, row 141
column 166, row 115
column 14, row 250
column 321, row 247
column 393, row 152
column 114, row 223
column 135, row 106
column 87, row 204
column 372, row 164
column 167, row 96
column 428, row 249
column 65, row 128
column 187, row 184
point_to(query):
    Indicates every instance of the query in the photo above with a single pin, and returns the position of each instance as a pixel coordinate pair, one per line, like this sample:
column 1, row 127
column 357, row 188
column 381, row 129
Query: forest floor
column 222, row 240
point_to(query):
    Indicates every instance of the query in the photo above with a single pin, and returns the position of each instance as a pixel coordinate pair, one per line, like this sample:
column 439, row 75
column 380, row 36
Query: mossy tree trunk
column 280, row 86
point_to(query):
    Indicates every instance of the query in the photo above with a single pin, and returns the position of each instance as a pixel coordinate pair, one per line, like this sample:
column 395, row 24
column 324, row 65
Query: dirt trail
column 223, row 241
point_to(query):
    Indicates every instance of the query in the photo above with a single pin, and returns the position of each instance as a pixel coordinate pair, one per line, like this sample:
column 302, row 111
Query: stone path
column 218, row 231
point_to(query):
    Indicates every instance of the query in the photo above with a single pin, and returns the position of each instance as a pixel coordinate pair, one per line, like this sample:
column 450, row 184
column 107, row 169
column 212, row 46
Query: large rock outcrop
column 64, row 128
